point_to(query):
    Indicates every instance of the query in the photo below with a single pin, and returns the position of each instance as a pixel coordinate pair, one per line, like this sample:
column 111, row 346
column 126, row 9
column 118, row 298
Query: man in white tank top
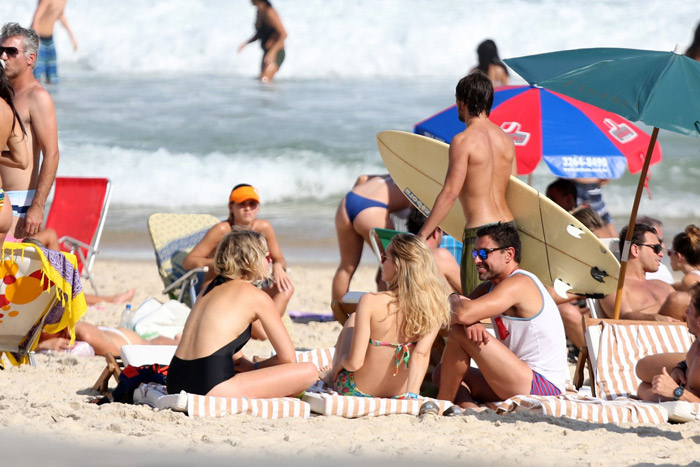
column 528, row 354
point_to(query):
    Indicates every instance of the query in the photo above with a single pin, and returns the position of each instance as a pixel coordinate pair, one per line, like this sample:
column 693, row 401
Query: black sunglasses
column 484, row 253
column 656, row 247
column 10, row 51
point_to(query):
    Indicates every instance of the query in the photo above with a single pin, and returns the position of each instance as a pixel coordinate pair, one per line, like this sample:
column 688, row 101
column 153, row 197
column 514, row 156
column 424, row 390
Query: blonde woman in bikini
column 13, row 141
column 384, row 347
column 244, row 207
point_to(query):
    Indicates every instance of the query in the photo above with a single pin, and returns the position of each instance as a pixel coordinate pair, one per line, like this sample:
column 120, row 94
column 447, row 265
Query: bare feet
column 122, row 297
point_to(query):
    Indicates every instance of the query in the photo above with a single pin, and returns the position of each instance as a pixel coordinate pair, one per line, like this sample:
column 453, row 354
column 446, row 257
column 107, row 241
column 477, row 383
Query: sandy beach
column 46, row 415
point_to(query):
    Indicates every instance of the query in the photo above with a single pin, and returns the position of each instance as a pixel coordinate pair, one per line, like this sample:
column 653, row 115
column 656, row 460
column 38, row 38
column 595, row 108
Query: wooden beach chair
column 173, row 236
column 40, row 289
column 78, row 214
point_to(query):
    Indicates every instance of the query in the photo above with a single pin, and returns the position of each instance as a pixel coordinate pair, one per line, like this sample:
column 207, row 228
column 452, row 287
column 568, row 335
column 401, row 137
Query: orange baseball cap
column 244, row 193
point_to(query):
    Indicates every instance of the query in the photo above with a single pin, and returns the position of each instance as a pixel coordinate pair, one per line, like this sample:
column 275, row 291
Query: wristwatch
column 678, row 392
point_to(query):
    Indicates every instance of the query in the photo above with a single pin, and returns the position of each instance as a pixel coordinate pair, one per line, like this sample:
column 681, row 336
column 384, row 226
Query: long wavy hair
column 420, row 292
column 7, row 93
column 241, row 254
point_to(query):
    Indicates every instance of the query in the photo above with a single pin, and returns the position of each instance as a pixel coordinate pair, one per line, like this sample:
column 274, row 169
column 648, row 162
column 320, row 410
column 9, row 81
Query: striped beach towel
column 585, row 408
column 622, row 345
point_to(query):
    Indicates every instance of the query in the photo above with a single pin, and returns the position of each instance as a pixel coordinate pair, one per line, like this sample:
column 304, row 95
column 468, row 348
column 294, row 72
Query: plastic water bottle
column 126, row 314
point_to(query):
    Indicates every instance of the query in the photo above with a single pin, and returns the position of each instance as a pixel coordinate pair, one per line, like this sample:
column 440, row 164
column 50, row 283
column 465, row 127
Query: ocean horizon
column 157, row 100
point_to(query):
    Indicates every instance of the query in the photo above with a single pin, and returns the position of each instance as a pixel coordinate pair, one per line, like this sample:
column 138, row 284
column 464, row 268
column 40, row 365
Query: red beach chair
column 78, row 215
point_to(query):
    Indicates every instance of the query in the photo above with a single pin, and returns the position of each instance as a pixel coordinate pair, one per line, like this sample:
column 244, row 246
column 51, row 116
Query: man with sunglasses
column 528, row 354
column 642, row 298
column 29, row 188
column 482, row 158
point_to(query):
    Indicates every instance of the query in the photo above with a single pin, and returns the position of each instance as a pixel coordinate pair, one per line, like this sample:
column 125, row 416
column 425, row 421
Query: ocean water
column 157, row 99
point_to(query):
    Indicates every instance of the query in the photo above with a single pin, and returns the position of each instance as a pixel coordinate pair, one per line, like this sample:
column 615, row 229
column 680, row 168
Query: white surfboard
column 556, row 247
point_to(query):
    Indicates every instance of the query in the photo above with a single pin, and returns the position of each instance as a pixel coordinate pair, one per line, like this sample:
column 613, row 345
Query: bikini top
column 401, row 354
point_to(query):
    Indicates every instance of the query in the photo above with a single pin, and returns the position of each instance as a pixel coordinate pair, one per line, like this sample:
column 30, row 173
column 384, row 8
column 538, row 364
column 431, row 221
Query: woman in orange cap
column 244, row 206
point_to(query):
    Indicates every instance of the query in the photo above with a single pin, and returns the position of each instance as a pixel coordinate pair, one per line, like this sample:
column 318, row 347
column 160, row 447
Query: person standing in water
column 271, row 34
column 46, row 14
column 491, row 64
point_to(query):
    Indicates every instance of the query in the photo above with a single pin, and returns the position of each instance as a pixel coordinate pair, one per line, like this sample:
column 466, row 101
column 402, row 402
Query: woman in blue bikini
column 208, row 360
column 365, row 207
column 384, row 347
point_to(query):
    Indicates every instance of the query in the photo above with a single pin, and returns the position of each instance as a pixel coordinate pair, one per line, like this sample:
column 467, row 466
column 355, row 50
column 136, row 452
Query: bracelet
column 255, row 365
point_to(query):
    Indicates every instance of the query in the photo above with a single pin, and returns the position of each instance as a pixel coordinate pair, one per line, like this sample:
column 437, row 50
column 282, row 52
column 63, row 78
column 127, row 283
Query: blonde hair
column 420, row 292
column 241, row 254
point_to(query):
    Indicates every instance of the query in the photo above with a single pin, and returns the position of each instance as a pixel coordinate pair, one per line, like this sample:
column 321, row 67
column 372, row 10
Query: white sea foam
column 362, row 38
column 173, row 180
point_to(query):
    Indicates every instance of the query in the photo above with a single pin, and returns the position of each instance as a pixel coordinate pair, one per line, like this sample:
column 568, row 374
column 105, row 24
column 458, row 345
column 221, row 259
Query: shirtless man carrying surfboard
column 482, row 158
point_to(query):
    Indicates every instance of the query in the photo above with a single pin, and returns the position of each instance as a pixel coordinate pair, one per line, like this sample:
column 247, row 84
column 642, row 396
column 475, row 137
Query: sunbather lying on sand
column 97, row 340
column 208, row 359
column 384, row 347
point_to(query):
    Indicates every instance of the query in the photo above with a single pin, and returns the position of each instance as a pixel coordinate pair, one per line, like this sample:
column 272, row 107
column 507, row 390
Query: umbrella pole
column 633, row 219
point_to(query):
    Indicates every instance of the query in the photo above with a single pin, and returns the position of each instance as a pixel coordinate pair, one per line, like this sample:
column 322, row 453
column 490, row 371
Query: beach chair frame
column 68, row 212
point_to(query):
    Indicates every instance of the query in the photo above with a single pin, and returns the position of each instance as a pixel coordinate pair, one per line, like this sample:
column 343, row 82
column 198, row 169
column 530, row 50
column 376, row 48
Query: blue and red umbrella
column 575, row 139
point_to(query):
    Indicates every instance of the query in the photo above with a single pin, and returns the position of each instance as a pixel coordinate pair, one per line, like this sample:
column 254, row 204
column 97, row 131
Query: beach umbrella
column 575, row 139
column 662, row 89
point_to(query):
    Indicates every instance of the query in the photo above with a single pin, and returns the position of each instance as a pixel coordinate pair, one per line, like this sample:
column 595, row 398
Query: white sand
column 45, row 415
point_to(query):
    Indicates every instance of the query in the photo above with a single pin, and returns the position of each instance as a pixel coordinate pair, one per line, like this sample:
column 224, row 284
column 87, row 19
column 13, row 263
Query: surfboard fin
column 574, row 231
column 598, row 275
column 561, row 288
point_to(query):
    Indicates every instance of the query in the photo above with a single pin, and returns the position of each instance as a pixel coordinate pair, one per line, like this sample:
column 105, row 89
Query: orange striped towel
column 623, row 345
column 585, row 408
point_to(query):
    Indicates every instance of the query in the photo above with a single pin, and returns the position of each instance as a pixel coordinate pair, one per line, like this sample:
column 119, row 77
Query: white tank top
column 539, row 341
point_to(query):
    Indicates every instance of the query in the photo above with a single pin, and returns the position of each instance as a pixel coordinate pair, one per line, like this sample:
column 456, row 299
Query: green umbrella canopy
column 662, row 89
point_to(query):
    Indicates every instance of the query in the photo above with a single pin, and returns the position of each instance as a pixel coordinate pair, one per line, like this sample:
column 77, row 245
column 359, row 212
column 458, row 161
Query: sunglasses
column 10, row 51
column 656, row 247
column 484, row 253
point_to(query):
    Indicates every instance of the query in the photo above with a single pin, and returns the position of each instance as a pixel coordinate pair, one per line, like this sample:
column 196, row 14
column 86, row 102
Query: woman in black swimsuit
column 271, row 34
column 208, row 359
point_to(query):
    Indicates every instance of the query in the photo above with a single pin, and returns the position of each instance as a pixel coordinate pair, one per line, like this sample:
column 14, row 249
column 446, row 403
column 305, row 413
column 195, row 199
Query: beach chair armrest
column 188, row 276
column 75, row 243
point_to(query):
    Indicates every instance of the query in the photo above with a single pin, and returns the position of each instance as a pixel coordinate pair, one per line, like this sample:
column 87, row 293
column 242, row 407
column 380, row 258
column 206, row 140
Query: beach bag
column 132, row 377
column 153, row 319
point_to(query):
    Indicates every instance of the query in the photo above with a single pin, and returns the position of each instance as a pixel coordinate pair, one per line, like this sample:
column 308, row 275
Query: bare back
column 380, row 320
column 485, row 155
column 219, row 317
column 47, row 13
